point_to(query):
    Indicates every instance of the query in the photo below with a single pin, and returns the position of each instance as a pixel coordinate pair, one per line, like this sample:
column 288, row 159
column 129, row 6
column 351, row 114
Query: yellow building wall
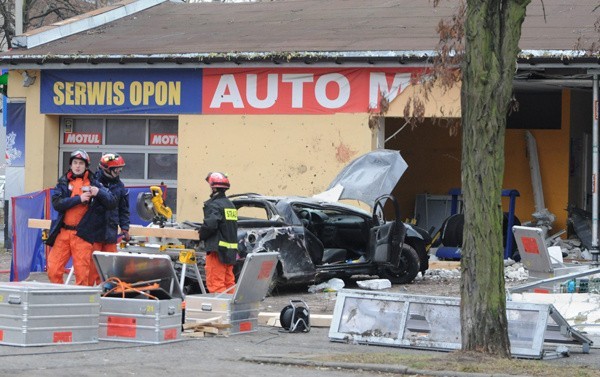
column 301, row 154
column 553, row 154
column 41, row 134
column 433, row 155
column 439, row 102
column 270, row 155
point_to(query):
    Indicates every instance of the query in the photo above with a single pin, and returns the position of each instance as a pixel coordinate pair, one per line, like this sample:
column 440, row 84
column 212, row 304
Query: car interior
column 335, row 235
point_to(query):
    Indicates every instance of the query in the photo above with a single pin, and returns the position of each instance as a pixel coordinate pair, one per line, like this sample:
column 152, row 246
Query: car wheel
column 407, row 270
column 421, row 249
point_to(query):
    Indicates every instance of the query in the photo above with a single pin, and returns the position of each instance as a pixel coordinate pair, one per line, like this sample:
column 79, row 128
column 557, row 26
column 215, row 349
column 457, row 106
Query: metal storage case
column 36, row 314
column 241, row 308
column 140, row 320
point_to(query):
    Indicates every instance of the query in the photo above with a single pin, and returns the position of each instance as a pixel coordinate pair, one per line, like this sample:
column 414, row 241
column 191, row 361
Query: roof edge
column 81, row 23
column 525, row 57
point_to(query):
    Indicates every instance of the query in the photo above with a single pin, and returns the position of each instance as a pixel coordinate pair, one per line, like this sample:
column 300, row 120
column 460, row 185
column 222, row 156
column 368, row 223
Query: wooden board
column 135, row 230
column 444, row 265
column 316, row 320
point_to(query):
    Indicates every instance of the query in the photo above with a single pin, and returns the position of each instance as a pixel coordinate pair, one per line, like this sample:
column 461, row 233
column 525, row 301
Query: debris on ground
column 375, row 284
column 513, row 271
column 205, row 328
column 332, row 285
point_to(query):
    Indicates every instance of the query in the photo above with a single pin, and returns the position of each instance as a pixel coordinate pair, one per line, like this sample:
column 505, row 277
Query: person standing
column 80, row 201
column 219, row 233
column 109, row 170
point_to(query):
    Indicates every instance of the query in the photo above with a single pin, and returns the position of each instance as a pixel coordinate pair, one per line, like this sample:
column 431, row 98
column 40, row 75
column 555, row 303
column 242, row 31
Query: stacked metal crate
column 36, row 314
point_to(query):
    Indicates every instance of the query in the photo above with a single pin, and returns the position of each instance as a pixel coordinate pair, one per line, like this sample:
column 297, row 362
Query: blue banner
column 123, row 91
column 15, row 134
column 28, row 249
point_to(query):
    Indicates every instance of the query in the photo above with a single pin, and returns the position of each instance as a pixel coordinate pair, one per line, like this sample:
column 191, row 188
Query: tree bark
column 492, row 33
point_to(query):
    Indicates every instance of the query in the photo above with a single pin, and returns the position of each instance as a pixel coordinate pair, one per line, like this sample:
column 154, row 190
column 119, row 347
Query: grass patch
column 467, row 362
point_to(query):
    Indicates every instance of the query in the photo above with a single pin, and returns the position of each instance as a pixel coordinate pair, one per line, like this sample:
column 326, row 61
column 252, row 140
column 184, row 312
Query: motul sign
column 163, row 139
column 83, row 138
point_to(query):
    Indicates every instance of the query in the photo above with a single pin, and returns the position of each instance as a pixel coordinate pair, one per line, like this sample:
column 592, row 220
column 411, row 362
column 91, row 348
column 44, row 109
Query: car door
column 387, row 235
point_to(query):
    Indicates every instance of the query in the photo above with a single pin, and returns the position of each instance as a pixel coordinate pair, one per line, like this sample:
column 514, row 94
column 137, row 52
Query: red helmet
column 217, row 180
column 81, row 155
column 111, row 162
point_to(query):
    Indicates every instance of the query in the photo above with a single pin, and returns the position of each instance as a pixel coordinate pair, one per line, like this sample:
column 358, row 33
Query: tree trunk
column 492, row 33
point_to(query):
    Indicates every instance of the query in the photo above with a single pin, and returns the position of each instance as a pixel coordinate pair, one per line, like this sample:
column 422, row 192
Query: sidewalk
column 268, row 352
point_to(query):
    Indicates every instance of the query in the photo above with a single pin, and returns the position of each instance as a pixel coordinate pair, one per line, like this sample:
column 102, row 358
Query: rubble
column 513, row 271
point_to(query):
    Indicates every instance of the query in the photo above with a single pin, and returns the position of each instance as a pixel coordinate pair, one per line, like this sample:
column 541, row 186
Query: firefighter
column 219, row 233
column 81, row 202
column 109, row 170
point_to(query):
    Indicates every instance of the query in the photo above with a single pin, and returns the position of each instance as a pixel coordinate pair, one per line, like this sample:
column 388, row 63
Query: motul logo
column 163, row 139
column 81, row 138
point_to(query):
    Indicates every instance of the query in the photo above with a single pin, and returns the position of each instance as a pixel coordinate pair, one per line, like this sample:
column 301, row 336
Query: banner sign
column 15, row 134
column 301, row 90
column 91, row 138
column 163, row 140
column 222, row 90
column 124, row 91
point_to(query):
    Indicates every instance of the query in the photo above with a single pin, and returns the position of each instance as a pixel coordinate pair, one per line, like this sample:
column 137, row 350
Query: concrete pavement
column 268, row 352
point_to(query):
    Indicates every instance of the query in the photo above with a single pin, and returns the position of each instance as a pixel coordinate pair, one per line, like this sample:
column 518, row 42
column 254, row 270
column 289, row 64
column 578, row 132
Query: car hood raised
column 367, row 177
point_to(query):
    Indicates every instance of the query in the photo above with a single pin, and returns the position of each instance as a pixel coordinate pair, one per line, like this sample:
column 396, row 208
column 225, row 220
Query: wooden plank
column 135, row 230
column 444, row 265
column 186, row 234
column 38, row 223
column 316, row 320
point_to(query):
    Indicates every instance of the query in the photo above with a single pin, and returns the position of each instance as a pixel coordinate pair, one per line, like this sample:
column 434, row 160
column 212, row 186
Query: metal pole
column 594, row 250
column 18, row 17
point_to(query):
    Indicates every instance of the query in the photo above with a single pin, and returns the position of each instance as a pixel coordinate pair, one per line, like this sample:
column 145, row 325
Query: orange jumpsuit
column 68, row 244
column 219, row 276
column 99, row 246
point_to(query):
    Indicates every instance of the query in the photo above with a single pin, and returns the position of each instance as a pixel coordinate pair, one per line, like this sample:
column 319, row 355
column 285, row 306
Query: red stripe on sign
column 530, row 245
column 62, row 337
column 122, row 327
column 170, row 334
column 265, row 270
column 540, row 290
column 1, row 335
column 245, row 326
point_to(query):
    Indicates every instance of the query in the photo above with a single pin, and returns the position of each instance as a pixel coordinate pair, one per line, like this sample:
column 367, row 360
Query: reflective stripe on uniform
column 231, row 214
column 228, row 245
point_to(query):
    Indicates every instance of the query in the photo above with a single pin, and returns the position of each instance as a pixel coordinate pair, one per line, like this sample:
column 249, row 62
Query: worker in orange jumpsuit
column 109, row 171
column 219, row 233
column 81, row 202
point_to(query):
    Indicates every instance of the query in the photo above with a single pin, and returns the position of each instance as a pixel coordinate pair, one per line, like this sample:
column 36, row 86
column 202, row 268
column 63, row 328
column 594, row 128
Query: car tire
column 452, row 230
column 406, row 271
column 421, row 248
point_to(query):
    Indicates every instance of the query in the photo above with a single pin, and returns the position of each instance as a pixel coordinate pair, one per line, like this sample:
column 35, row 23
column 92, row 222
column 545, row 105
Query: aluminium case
column 240, row 309
column 37, row 314
column 140, row 320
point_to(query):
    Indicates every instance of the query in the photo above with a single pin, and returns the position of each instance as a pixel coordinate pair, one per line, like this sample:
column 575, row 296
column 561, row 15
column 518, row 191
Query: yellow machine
column 151, row 206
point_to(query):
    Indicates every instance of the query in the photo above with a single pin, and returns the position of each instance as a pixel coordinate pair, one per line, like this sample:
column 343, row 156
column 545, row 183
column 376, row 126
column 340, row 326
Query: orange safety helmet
column 217, row 180
column 81, row 155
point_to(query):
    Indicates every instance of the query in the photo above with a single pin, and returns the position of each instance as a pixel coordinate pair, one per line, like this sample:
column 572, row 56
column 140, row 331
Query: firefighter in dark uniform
column 109, row 170
column 219, row 233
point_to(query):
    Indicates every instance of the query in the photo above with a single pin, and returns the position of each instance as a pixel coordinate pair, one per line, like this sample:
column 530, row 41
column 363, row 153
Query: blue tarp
column 28, row 249
column 29, row 252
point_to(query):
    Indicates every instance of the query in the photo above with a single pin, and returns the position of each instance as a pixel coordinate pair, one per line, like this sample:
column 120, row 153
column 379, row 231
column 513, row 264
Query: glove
column 126, row 236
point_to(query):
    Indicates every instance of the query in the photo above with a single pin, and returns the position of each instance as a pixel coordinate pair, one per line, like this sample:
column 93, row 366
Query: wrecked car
column 320, row 237
column 318, row 240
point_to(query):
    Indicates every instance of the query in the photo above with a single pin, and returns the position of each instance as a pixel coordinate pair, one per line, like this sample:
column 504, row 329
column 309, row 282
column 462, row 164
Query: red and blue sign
column 222, row 90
